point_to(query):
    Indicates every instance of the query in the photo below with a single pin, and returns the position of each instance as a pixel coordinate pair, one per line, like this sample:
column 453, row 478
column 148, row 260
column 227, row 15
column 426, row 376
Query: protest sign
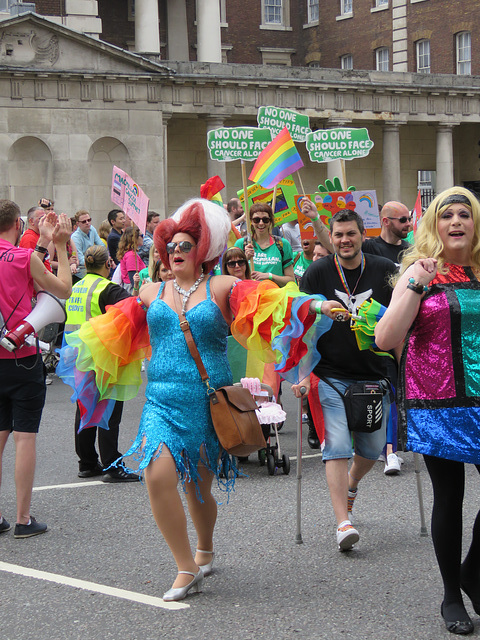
column 325, row 145
column 284, row 203
column 237, row 143
column 129, row 197
column 276, row 118
column 328, row 204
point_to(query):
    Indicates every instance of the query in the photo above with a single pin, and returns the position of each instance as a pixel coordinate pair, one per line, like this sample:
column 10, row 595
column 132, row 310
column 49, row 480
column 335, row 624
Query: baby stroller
column 270, row 415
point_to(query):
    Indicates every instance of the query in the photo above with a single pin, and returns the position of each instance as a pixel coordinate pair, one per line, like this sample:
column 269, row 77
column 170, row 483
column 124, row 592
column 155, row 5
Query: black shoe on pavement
column 312, row 439
column 120, row 475
column 4, row 526
column 91, row 473
column 28, row 530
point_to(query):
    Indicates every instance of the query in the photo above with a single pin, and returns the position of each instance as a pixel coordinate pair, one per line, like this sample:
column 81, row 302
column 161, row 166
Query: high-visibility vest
column 83, row 304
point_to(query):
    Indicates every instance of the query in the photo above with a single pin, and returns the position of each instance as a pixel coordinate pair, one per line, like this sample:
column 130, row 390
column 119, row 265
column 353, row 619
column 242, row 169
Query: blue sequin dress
column 177, row 412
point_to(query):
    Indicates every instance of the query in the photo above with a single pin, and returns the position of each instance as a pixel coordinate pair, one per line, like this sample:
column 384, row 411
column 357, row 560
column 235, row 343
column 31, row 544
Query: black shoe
column 466, row 588
column 120, row 475
column 312, row 439
column 4, row 526
column 91, row 473
column 28, row 530
column 459, row 627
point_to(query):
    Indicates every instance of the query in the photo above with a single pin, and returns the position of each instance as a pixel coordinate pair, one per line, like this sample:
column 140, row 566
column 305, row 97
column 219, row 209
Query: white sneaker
column 392, row 466
column 347, row 536
column 49, row 378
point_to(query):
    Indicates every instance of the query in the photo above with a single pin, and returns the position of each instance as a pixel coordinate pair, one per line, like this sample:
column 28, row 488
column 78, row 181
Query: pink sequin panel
column 429, row 366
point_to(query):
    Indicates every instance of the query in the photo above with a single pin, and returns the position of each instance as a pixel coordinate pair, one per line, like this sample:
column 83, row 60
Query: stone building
column 90, row 84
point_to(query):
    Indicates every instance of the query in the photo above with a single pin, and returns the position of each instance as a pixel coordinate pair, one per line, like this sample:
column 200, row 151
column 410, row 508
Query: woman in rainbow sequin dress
column 435, row 309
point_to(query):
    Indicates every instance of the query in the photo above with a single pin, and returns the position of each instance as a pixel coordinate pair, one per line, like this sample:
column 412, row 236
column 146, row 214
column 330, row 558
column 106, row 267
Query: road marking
column 309, row 455
column 71, row 485
column 92, row 586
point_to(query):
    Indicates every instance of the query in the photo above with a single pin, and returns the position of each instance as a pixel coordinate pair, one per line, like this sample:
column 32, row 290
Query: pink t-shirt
column 127, row 263
column 16, row 292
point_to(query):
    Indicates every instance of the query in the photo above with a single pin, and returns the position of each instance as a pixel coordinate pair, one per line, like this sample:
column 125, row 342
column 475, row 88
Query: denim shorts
column 338, row 437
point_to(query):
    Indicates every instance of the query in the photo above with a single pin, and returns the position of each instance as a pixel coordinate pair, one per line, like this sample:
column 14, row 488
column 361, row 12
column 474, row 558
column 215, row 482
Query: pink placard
column 129, row 197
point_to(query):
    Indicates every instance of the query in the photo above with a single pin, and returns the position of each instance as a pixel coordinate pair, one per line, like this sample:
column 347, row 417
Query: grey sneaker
column 28, row 530
column 4, row 526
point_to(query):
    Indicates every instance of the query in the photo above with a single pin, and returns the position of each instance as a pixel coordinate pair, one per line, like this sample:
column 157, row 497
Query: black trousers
column 107, row 441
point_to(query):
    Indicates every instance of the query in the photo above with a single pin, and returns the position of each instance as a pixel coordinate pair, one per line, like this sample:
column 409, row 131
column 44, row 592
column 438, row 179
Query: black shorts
column 22, row 394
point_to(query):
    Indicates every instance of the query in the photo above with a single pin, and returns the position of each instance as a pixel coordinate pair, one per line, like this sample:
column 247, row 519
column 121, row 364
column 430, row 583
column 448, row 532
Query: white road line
column 71, row 485
column 92, row 586
column 309, row 455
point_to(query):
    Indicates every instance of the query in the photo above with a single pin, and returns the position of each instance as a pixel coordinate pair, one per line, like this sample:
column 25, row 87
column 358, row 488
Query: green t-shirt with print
column 270, row 260
column 301, row 265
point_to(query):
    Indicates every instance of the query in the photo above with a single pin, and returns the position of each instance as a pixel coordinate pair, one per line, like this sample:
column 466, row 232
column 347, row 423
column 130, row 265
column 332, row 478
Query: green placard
column 325, row 145
column 237, row 143
column 275, row 119
column 285, row 209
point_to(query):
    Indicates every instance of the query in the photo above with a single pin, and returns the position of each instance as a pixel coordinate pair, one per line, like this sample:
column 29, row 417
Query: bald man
column 396, row 224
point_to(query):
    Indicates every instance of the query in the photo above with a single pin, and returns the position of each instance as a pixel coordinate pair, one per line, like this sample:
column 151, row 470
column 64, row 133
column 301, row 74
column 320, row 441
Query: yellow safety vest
column 83, row 303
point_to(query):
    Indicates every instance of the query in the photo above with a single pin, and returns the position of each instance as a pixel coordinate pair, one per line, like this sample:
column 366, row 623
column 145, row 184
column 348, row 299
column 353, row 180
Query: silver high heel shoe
column 180, row 592
column 206, row 568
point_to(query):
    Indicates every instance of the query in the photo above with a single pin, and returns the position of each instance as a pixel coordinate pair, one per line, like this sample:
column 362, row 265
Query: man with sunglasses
column 85, row 236
column 396, row 224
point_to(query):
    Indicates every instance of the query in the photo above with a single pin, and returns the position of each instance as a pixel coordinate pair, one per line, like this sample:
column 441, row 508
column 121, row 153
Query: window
column 464, row 53
column 426, row 186
column 346, row 6
column 347, row 61
column 131, row 10
column 423, row 56
column 273, row 11
column 381, row 3
column 4, row 6
column 381, row 56
column 312, row 6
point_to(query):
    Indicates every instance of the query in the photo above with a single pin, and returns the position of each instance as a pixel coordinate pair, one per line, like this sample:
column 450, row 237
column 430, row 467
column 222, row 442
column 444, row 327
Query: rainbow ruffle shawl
column 102, row 360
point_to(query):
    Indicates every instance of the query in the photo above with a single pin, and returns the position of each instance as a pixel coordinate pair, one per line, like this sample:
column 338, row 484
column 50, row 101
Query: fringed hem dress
column 439, row 390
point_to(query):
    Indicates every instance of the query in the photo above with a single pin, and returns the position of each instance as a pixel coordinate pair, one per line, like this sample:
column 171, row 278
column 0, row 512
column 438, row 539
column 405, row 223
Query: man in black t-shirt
column 346, row 279
column 396, row 224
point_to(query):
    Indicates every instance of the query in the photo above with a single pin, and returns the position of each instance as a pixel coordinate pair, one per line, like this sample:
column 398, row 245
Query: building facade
column 138, row 84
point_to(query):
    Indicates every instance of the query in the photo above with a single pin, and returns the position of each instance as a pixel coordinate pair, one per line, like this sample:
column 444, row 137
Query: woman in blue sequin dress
column 435, row 308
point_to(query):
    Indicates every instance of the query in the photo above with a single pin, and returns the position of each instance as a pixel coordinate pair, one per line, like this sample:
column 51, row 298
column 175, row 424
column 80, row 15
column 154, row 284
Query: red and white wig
column 206, row 222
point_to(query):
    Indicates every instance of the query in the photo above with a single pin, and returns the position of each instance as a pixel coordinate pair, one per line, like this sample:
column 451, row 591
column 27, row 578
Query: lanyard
column 341, row 273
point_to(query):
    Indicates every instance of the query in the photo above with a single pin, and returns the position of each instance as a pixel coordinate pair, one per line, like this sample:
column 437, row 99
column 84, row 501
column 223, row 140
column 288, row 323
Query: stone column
column 335, row 168
column 177, row 39
column 147, row 34
column 215, row 168
column 444, row 168
column 165, row 118
column 391, row 163
column 209, row 39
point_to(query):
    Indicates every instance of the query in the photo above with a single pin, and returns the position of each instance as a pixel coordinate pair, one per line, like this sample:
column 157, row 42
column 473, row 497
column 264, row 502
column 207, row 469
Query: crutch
column 423, row 527
column 298, row 537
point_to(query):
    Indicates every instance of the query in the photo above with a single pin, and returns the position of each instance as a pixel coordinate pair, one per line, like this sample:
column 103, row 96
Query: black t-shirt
column 341, row 357
column 112, row 294
column 112, row 244
column 378, row 247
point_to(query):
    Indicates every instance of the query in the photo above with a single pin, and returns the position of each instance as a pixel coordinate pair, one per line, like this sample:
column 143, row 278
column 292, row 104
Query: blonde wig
column 427, row 240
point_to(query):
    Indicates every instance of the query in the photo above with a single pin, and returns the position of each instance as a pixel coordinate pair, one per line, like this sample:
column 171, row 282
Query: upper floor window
column 423, row 56
column 312, row 6
column 464, row 53
column 346, row 6
column 273, row 11
column 347, row 61
column 381, row 3
column 381, row 58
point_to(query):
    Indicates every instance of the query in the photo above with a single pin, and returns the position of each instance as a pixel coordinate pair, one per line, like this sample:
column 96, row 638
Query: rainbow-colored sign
column 129, row 197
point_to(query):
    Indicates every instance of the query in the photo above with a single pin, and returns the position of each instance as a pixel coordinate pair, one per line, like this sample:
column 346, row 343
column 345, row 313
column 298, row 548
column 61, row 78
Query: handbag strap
column 192, row 347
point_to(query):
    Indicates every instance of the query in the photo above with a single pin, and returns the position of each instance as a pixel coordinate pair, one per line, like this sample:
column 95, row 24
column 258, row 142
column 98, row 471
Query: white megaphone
column 48, row 309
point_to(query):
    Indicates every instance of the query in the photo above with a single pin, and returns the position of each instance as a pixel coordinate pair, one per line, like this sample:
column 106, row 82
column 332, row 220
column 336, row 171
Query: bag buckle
column 184, row 326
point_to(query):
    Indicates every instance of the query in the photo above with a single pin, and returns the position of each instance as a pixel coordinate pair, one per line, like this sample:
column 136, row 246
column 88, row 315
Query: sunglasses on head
column 403, row 219
column 236, row 263
column 258, row 220
column 185, row 246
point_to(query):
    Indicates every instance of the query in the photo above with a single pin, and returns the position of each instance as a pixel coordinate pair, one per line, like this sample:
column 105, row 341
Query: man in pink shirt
column 22, row 392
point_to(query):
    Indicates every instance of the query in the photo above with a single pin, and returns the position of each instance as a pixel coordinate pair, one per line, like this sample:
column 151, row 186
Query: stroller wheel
column 286, row 464
column 270, row 464
column 262, row 457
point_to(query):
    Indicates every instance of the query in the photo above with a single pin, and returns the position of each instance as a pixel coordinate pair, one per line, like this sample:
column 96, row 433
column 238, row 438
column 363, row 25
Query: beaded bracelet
column 41, row 249
column 416, row 286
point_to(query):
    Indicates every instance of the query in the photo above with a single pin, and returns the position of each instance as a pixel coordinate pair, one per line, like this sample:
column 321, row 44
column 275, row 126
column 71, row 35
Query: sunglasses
column 403, row 219
column 236, row 263
column 185, row 246
column 258, row 220
column 85, row 221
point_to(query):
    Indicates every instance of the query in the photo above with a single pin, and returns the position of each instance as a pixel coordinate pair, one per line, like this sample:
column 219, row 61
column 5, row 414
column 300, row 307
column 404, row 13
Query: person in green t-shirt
column 303, row 259
column 272, row 257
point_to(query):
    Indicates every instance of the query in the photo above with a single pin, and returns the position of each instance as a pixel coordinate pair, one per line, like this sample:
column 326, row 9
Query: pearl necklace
column 186, row 294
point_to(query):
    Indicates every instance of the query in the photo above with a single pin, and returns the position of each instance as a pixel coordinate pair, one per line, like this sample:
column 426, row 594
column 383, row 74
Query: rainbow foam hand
column 334, row 185
column 364, row 323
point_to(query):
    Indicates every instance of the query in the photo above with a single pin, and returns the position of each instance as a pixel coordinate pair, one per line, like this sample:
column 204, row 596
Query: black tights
column 448, row 480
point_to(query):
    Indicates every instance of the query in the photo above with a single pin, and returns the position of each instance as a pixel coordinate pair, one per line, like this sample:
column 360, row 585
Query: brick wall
column 49, row 7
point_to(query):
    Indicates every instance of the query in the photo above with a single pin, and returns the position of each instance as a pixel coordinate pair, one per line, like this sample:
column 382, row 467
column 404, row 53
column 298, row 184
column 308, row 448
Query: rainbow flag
column 277, row 161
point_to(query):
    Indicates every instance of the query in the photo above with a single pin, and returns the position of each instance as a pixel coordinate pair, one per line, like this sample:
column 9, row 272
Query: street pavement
column 101, row 569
